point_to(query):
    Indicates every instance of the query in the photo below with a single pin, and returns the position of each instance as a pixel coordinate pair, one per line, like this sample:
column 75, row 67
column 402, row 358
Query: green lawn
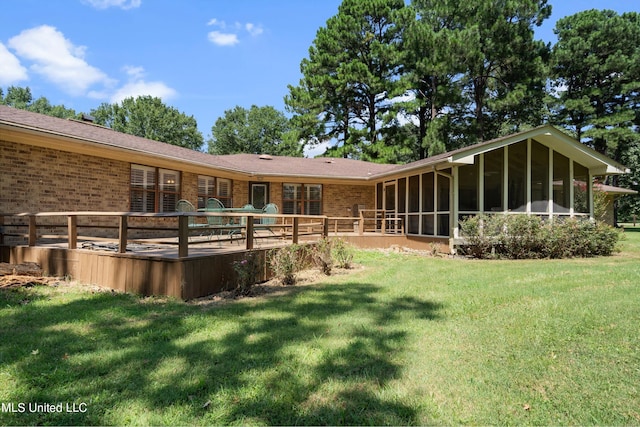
column 405, row 340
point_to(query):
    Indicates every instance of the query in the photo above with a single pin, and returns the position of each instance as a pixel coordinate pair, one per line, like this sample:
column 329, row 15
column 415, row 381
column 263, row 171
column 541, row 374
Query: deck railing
column 287, row 228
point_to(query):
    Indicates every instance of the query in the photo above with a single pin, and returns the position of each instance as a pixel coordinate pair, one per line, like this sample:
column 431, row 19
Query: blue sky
column 200, row 56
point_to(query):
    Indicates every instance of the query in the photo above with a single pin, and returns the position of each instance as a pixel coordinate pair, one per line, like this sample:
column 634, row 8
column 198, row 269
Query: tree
column 431, row 63
column 596, row 77
column 258, row 130
column 596, row 82
column 148, row 117
column 22, row 98
column 350, row 73
column 504, row 76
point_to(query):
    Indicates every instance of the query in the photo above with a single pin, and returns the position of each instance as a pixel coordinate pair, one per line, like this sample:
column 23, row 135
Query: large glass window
column 427, row 192
column 303, row 199
column 143, row 189
column 539, row 177
column 402, row 195
column 153, row 189
column 493, row 178
column 444, row 185
column 517, row 183
column 206, row 190
column 443, row 193
column 224, row 191
column 580, row 188
column 169, row 190
column 468, row 187
column 561, row 183
column 414, row 193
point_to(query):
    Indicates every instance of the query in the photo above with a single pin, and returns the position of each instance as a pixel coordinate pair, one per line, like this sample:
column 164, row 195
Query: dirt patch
column 275, row 286
column 23, row 275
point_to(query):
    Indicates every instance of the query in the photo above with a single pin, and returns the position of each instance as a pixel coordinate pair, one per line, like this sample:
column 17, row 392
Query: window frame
column 157, row 190
column 301, row 205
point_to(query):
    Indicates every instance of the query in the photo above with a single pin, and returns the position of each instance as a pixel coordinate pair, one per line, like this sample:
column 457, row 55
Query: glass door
column 259, row 195
column 390, row 203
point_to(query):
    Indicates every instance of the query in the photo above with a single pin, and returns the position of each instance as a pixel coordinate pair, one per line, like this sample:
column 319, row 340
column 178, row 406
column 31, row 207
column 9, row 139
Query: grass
column 407, row 340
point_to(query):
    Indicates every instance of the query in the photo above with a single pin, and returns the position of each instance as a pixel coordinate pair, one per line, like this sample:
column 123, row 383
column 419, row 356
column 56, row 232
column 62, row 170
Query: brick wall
column 36, row 179
column 41, row 179
column 338, row 200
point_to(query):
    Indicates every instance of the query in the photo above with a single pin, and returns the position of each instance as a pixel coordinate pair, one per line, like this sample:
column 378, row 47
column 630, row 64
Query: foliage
column 247, row 271
column 526, row 237
column 148, row 117
column 349, row 76
column 286, row 262
column 21, row 98
column 321, row 255
column 342, row 253
column 596, row 73
column 258, row 130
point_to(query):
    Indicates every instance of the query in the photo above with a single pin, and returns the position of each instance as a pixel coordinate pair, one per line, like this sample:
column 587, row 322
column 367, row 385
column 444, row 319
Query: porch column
column 590, row 196
column 183, row 236
column 72, row 231
column 453, row 204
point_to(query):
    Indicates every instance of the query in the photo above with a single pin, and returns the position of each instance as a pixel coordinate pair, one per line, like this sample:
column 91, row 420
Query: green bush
column 321, row 255
column 526, row 237
column 342, row 253
column 285, row 262
column 247, row 272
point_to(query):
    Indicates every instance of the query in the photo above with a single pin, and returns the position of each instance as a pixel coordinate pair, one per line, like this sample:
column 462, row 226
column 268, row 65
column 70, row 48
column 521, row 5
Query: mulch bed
column 23, row 275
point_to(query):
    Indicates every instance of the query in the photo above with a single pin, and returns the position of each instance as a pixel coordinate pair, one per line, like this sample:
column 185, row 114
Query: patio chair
column 248, row 207
column 215, row 205
column 266, row 222
column 186, row 206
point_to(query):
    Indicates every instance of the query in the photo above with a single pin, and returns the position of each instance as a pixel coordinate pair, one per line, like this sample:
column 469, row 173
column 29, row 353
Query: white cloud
column 217, row 23
column 229, row 36
column 223, row 39
column 57, row 59
column 11, row 71
column 138, row 87
column 122, row 4
column 134, row 72
column 253, row 29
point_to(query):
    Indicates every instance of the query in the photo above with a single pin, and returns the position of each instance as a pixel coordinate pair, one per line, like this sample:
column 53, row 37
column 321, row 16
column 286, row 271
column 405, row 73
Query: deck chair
column 270, row 208
column 185, row 206
column 215, row 205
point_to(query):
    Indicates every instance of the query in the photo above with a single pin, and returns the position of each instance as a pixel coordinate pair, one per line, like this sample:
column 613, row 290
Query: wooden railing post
column 183, row 236
column 296, row 222
column 122, row 234
column 249, row 232
column 72, row 231
column 361, row 224
column 325, row 227
column 33, row 231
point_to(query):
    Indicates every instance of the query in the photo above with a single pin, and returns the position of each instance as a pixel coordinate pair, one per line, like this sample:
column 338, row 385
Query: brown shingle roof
column 250, row 164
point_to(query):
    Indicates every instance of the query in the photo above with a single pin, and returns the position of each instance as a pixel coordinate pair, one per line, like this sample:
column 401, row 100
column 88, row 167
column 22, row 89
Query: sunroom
column 538, row 172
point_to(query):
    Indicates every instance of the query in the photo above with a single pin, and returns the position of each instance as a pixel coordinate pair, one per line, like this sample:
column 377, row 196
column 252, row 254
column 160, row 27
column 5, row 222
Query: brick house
column 51, row 164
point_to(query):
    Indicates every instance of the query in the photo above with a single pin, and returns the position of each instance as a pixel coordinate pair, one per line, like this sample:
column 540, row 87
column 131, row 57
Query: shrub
column 247, row 272
column 342, row 253
column 285, row 262
column 321, row 255
column 483, row 234
column 524, row 236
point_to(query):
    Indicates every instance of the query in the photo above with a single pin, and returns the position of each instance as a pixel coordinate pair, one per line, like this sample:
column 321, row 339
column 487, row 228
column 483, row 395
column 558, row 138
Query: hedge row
column 527, row 237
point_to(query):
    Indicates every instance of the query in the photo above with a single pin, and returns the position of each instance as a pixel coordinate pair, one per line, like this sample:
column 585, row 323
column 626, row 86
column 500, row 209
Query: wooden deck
column 184, row 263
